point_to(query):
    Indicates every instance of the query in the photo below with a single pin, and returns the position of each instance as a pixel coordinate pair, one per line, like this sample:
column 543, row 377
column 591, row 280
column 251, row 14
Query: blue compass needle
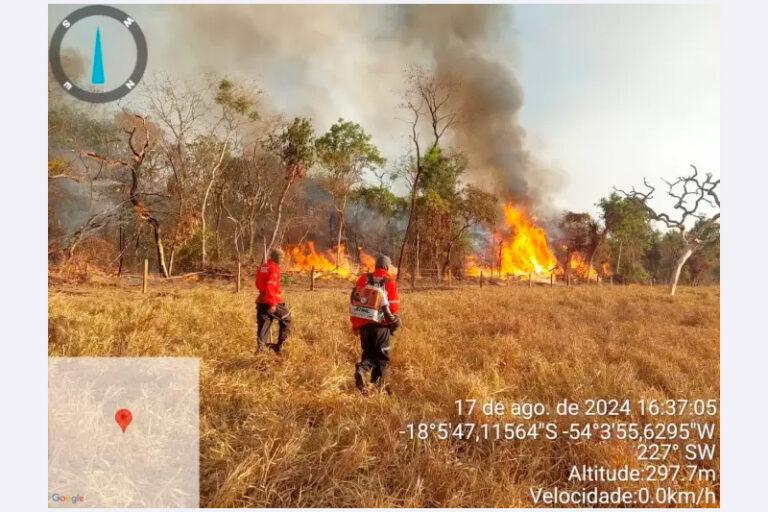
column 97, row 73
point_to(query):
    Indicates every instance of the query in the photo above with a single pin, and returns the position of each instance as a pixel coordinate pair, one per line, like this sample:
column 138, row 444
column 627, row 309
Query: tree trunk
column 217, row 230
column 591, row 267
column 412, row 208
column 203, row 227
column 415, row 267
column 121, row 238
column 340, row 227
column 493, row 256
column 160, row 249
column 280, row 203
column 205, row 204
column 618, row 259
column 592, row 251
column 498, row 260
column 170, row 261
column 411, row 214
column 447, row 260
column 679, row 267
column 251, row 236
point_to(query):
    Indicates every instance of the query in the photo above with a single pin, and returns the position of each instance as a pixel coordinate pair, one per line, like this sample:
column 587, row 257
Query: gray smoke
column 488, row 96
column 331, row 61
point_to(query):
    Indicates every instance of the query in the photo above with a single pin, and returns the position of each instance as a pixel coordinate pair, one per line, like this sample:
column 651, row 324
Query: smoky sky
column 331, row 61
column 489, row 97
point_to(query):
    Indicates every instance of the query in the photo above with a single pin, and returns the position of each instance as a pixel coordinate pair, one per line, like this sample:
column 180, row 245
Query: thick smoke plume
column 350, row 60
column 488, row 96
column 331, row 61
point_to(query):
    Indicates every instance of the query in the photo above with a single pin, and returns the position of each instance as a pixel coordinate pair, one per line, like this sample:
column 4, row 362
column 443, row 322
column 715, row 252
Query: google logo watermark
column 63, row 498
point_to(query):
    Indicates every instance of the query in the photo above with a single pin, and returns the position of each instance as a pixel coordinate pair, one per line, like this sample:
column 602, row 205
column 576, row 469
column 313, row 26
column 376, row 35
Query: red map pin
column 123, row 418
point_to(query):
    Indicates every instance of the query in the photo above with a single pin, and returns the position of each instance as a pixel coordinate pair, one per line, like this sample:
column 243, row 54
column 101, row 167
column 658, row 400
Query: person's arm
column 394, row 299
column 258, row 279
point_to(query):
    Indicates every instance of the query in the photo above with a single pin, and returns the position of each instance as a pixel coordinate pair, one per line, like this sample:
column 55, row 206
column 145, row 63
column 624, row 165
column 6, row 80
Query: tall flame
column 525, row 250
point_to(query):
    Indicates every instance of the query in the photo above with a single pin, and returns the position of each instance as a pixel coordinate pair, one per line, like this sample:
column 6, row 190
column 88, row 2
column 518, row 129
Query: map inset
column 93, row 461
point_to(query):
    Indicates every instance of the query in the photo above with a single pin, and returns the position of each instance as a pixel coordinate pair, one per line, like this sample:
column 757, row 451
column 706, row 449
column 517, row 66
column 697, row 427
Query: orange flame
column 581, row 267
column 303, row 257
column 366, row 260
column 524, row 251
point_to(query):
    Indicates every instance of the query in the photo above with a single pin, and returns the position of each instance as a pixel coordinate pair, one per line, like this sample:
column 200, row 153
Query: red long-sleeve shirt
column 268, row 279
column 390, row 287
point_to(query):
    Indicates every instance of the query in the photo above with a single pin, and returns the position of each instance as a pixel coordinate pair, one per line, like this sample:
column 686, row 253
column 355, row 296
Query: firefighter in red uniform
column 373, row 309
column 269, row 303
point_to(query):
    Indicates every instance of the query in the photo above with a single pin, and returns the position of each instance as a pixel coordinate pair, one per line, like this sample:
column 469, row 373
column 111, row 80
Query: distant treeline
column 202, row 176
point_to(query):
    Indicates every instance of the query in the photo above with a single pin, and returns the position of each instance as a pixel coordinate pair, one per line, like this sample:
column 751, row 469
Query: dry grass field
column 295, row 432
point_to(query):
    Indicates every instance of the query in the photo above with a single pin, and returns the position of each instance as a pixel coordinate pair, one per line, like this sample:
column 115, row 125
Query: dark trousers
column 374, row 340
column 264, row 322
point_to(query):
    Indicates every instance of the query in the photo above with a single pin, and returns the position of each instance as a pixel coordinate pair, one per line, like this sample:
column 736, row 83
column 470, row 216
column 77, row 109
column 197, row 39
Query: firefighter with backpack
column 269, row 303
column 373, row 309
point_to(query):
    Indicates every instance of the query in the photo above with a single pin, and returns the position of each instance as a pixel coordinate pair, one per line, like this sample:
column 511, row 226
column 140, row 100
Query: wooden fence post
column 312, row 279
column 530, row 280
column 450, row 277
column 238, row 285
column 146, row 276
column 482, row 278
column 552, row 279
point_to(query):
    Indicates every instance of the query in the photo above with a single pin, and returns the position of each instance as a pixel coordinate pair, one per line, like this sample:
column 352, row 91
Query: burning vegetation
column 305, row 258
column 205, row 176
column 522, row 248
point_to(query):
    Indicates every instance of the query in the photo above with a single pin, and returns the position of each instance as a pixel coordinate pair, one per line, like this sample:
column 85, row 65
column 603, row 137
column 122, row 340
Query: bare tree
column 238, row 108
column 180, row 109
column 139, row 148
column 237, row 234
column 249, row 181
column 690, row 193
column 427, row 100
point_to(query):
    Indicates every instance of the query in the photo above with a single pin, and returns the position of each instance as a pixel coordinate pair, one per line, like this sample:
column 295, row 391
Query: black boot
column 379, row 377
column 360, row 377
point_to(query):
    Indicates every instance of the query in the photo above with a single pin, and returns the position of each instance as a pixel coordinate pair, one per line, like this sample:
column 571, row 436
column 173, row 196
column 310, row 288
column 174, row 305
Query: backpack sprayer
column 371, row 302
